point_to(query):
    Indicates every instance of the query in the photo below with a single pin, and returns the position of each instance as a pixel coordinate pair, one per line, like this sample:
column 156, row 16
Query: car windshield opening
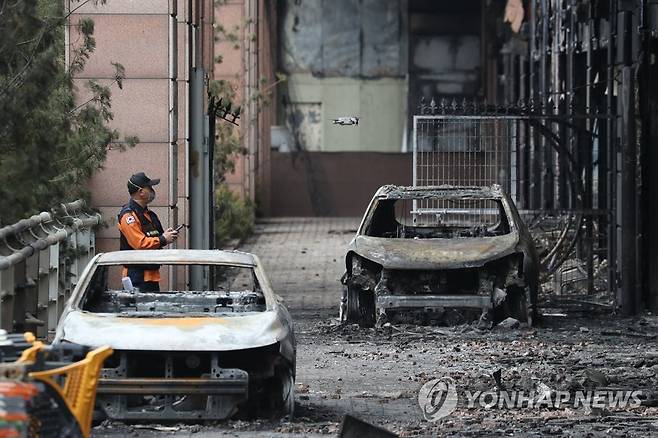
column 233, row 289
column 438, row 218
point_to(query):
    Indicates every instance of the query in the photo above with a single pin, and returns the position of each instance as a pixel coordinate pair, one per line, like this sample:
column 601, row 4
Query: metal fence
column 464, row 150
column 41, row 259
column 554, row 186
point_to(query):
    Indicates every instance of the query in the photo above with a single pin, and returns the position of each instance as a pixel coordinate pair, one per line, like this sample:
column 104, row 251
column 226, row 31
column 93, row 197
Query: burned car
column 440, row 255
column 227, row 350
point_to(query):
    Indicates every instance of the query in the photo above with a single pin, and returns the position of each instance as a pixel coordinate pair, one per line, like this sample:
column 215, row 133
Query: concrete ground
column 304, row 258
column 376, row 374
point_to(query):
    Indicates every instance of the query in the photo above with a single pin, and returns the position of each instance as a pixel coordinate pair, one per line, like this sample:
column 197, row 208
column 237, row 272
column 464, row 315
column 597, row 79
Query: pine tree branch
column 30, row 59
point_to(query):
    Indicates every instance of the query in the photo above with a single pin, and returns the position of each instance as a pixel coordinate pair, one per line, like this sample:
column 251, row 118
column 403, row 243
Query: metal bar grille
column 460, row 147
column 465, row 151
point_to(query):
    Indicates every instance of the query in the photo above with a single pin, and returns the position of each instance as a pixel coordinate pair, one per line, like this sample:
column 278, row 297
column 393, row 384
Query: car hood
column 174, row 334
column 463, row 252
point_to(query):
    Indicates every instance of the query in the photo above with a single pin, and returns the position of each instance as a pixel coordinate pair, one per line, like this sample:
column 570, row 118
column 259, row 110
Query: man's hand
column 170, row 235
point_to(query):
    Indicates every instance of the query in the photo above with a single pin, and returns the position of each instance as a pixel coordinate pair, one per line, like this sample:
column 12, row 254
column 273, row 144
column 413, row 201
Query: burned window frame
column 77, row 299
column 505, row 212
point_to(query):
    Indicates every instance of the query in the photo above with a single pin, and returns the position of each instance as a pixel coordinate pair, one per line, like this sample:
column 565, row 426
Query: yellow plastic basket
column 80, row 380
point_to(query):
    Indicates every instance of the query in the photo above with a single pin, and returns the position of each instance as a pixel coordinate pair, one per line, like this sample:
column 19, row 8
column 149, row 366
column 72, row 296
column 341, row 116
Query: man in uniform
column 140, row 228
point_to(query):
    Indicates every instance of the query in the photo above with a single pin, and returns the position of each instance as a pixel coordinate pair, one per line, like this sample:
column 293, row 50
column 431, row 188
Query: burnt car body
column 181, row 354
column 439, row 255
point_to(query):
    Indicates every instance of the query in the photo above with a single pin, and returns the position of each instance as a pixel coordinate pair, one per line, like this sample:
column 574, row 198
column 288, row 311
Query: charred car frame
column 440, row 255
column 183, row 354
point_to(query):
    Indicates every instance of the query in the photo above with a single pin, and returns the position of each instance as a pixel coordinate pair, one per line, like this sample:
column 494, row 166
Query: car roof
column 443, row 191
column 164, row 256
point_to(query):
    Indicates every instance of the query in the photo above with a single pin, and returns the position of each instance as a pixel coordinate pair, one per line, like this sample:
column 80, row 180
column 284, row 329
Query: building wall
column 249, row 64
column 366, row 58
column 135, row 35
column 268, row 43
column 150, row 39
column 313, row 102
column 231, row 16
column 344, row 58
column 333, row 184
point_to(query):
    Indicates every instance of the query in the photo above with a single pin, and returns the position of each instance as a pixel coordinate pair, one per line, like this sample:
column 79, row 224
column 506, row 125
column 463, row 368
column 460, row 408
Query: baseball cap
column 139, row 181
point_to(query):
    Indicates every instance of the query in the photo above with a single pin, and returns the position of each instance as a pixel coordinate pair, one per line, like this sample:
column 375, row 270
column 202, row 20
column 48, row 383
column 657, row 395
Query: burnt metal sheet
column 175, row 334
column 237, row 384
column 185, row 256
column 434, row 253
column 442, row 192
column 423, row 301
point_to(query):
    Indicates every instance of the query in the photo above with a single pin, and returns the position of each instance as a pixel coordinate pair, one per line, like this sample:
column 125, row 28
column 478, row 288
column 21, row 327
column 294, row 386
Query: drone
column 346, row 121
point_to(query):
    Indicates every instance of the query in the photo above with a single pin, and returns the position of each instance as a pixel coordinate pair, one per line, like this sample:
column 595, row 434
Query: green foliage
column 227, row 140
column 49, row 147
column 231, row 36
column 235, row 217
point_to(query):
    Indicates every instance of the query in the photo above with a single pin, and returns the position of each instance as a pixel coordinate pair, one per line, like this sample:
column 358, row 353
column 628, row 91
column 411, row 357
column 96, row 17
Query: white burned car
column 442, row 255
column 185, row 354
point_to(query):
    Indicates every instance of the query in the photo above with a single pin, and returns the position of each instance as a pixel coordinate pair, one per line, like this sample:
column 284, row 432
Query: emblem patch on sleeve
column 130, row 220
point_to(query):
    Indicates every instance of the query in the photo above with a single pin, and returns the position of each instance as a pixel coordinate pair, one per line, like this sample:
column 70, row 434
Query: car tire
column 288, row 395
column 360, row 306
column 282, row 383
column 518, row 305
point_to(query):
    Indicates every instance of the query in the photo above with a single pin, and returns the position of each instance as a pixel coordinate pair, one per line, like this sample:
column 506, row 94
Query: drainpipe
column 199, row 208
column 173, row 127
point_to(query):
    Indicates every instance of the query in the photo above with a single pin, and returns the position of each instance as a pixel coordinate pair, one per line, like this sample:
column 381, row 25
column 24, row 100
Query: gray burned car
column 440, row 255
column 182, row 353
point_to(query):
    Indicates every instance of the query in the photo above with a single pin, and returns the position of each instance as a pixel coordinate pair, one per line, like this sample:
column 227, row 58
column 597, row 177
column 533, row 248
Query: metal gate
column 554, row 181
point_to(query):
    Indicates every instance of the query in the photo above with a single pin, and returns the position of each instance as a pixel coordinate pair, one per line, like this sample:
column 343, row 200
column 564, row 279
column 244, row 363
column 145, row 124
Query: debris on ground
column 509, row 323
column 387, row 366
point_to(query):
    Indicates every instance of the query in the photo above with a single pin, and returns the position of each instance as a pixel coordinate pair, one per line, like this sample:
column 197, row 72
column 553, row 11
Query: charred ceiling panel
column 346, row 38
column 302, row 36
column 341, row 37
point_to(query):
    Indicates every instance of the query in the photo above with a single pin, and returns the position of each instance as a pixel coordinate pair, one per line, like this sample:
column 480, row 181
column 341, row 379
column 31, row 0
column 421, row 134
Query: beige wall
column 380, row 103
column 250, row 68
column 231, row 15
column 140, row 36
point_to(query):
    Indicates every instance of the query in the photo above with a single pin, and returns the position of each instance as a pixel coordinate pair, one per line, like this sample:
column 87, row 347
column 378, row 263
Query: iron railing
column 41, row 260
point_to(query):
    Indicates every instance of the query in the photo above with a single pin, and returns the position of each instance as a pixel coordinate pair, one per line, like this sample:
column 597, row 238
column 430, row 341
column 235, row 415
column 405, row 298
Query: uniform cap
column 139, row 181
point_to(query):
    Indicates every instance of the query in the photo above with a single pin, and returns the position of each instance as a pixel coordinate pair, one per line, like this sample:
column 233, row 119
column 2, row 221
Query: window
column 234, row 289
column 438, row 218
